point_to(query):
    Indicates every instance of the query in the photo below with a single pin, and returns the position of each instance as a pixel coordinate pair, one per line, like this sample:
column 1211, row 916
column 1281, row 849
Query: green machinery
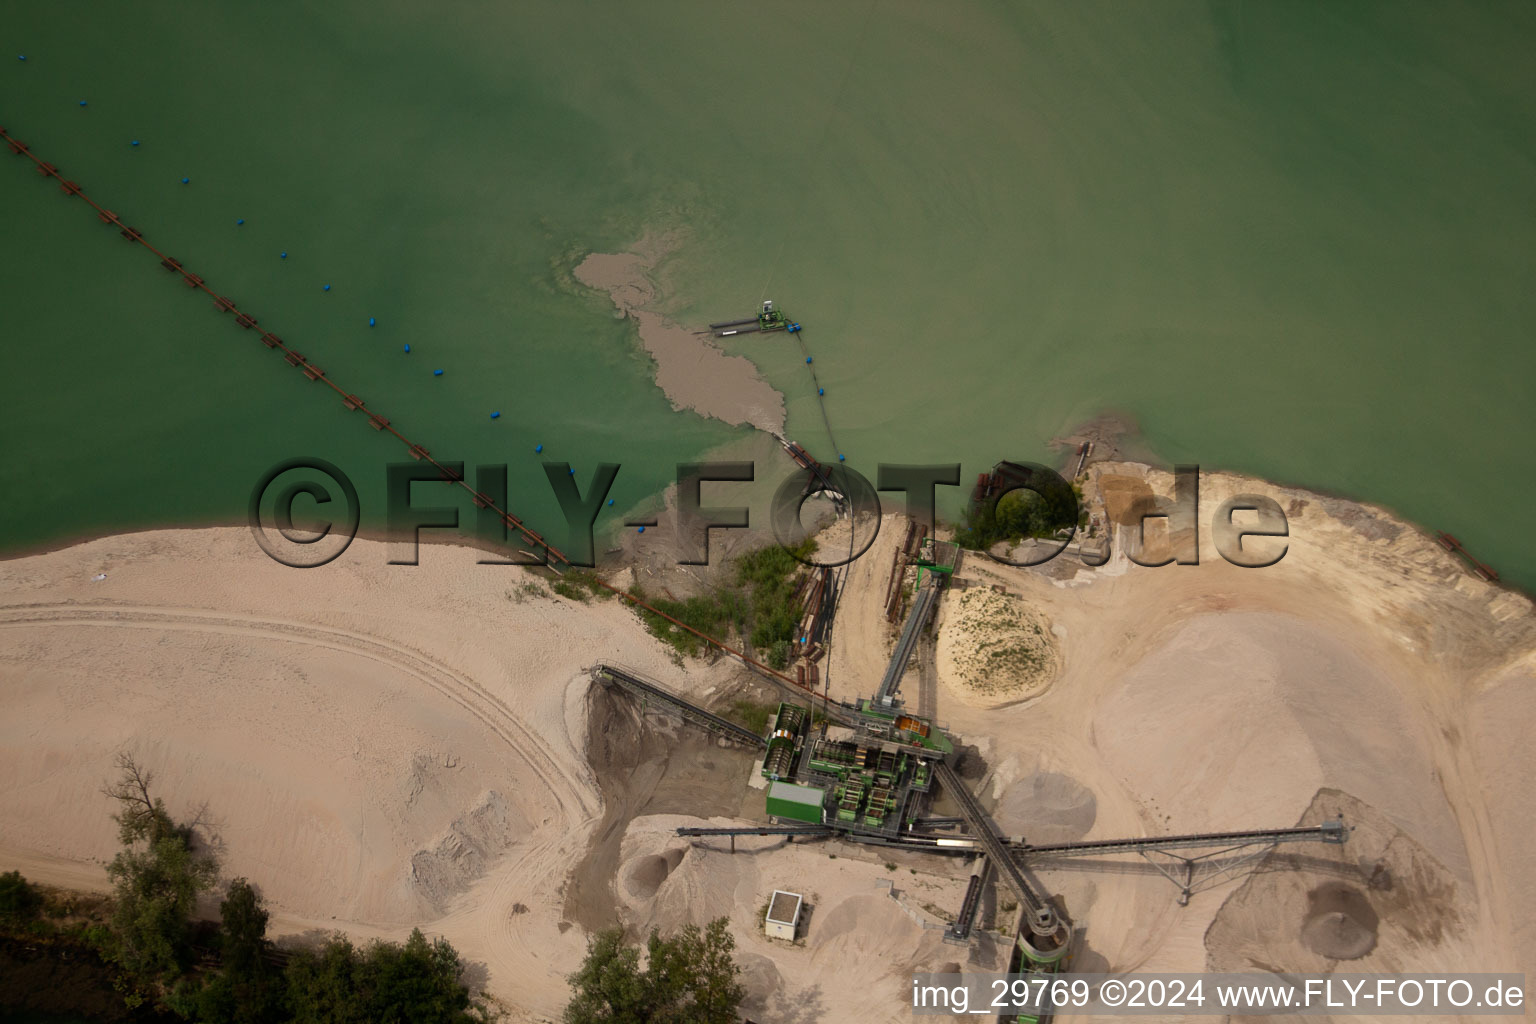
column 902, row 728
column 856, row 783
column 769, row 319
column 794, row 802
column 783, row 741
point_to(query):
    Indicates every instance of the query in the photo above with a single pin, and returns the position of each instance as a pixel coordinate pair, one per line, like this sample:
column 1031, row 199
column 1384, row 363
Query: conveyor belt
column 917, row 618
column 761, row 830
column 733, row 323
column 688, row 710
column 1328, row 832
column 961, row 928
column 996, row 850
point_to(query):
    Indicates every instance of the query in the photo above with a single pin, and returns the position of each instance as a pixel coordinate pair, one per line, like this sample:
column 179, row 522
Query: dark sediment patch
column 649, row 872
column 1047, row 807
column 1340, row 922
column 645, row 765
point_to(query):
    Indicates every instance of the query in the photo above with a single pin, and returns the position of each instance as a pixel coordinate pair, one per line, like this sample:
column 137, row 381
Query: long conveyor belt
column 922, row 607
column 689, row 710
column 1041, row 913
column 759, row 830
column 1328, row 832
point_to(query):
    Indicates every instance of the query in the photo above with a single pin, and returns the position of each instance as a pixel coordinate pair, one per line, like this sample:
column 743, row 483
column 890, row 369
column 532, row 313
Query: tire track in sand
column 462, row 690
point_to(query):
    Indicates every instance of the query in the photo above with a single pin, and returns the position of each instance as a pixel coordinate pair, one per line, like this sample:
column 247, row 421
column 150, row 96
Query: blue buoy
column 21, row 56
column 239, row 222
column 538, row 448
column 495, row 415
column 407, row 348
column 371, row 321
column 610, row 501
column 437, row 373
column 185, row 180
column 282, row 255
column 572, row 471
column 135, row 142
column 841, row 458
column 821, row 391
column 807, row 358
column 82, row 103
column 642, row 529
column 326, row 288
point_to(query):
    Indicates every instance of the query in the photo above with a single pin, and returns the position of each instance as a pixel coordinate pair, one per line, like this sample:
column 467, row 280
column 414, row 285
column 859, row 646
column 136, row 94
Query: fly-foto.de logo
column 1022, row 499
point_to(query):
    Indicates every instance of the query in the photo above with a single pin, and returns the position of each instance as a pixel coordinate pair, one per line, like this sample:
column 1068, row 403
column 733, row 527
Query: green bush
column 751, row 714
column 19, row 899
column 156, row 880
column 569, row 590
column 761, row 606
column 690, row 977
column 417, row 982
column 1018, row 514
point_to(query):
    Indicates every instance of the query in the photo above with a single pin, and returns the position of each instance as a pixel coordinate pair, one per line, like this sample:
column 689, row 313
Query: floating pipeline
column 375, row 420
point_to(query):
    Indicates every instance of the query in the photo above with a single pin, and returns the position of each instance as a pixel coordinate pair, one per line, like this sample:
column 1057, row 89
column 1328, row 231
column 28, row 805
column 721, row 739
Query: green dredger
column 769, row 319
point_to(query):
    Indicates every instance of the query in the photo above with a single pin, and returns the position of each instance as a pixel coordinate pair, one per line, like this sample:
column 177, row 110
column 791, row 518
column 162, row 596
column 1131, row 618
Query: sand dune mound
column 868, row 926
column 667, row 886
column 760, row 978
column 1047, row 807
column 1381, row 900
column 1341, row 924
column 994, row 649
column 648, row 872
column 1285, row 707
column 471, row 844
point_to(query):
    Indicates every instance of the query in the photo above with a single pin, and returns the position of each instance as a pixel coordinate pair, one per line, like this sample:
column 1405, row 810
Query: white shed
column 783, row 915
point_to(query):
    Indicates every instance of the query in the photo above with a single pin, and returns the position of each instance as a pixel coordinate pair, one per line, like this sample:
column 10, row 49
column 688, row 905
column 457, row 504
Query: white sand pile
column 861, row 636
column 993, row 648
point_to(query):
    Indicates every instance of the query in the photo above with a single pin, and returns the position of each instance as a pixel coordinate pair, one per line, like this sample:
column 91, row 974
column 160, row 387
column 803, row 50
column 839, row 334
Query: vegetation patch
column 690, row 977
column 1019, row 514
column 759, row 607
column 751, row 714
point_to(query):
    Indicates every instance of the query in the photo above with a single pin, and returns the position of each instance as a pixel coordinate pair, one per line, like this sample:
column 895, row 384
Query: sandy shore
column 380, row 746
column 388, row 746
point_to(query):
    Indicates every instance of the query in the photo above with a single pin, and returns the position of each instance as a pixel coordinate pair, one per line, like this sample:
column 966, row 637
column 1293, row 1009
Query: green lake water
column 1296, row 240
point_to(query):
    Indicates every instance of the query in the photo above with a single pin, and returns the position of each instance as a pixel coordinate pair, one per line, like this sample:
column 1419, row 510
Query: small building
column 795, row 802
column 783, row 915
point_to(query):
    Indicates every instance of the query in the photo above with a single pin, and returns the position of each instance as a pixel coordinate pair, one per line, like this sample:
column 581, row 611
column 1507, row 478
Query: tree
column 688, row 979
column 610, row 986
column 247, row 989
column 322, row 984
column 388, row 983
column 156, row 879
column 19, row 898
column 417, row 982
